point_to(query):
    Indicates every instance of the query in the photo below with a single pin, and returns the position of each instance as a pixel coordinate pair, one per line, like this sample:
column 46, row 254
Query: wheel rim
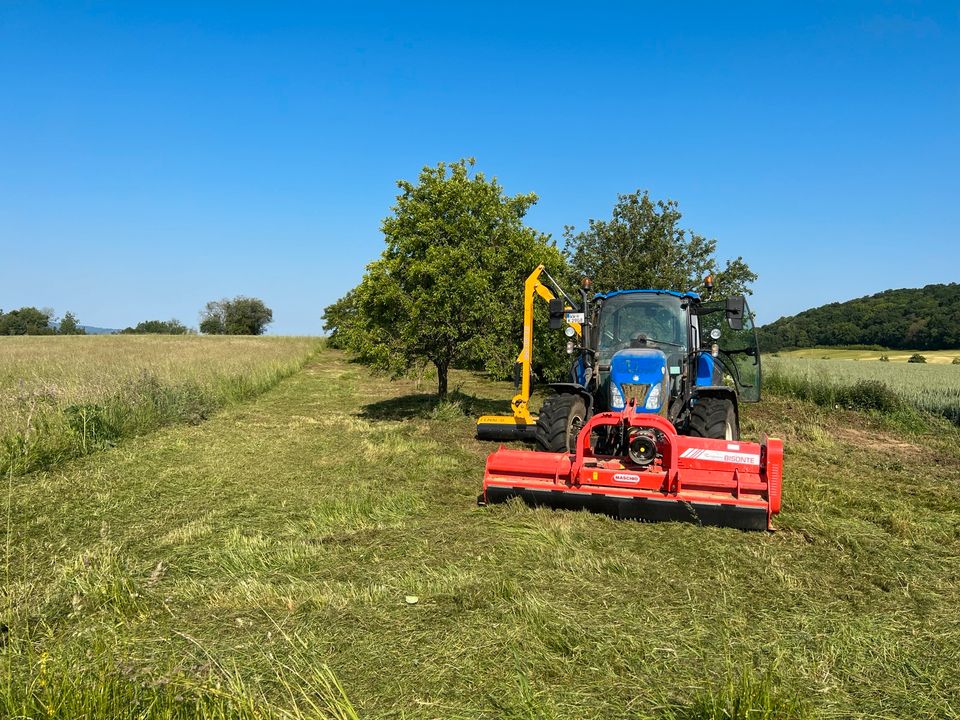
column 728, row 430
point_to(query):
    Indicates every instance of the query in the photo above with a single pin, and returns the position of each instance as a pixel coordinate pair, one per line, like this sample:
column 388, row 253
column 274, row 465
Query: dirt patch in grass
column 877, row 441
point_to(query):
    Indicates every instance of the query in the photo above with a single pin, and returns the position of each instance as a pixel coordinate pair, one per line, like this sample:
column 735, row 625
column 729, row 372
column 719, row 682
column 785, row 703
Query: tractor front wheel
column 559, row 422
column 714, row 418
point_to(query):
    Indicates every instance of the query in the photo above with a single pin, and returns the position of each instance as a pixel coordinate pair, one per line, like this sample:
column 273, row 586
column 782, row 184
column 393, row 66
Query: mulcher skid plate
column 713, row 482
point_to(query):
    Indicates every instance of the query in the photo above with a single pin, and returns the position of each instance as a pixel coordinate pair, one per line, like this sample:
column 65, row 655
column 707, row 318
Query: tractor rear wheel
column 714, row 418
column 559, row 422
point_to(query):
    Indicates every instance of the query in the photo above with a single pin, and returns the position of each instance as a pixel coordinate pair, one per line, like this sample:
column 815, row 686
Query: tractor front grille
column 635, row 392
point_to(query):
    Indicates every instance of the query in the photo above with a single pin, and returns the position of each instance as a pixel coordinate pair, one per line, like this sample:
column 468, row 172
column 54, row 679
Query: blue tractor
column 671, row 353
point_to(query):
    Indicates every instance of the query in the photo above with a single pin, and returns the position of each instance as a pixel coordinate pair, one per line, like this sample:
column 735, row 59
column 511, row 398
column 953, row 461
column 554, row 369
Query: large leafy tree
column 643, row 246
column 339, row 319
column 447, row 289
column 238, row 316
column 27, row 321
column 247, row 316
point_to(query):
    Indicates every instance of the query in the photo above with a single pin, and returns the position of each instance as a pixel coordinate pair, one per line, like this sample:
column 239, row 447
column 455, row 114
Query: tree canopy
column 446, row 288
column 27, row 321
column 68, row 325
column 34, row 321
column 157, row 327
column 643, row 246
column 926, row 318
column 237, row 316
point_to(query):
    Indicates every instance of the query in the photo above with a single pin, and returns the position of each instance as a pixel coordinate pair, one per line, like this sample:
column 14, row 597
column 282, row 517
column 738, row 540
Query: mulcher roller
column 661, row 476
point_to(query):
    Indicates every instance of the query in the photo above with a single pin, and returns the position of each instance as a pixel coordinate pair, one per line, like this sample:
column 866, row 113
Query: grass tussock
column 750, row 697
column 75, row 398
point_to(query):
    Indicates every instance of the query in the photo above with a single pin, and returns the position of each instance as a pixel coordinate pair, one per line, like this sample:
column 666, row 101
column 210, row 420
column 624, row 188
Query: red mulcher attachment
column 665, row 476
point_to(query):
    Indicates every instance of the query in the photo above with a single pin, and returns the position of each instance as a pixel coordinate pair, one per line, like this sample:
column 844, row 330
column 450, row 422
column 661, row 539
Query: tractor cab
column 642, row 339
column 661, row 352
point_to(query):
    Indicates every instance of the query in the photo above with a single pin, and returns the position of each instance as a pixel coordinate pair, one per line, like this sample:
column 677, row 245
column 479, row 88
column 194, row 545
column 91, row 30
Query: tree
column 643, row 246
column 27, row 321
column 68, row 325
column 247, row 316
column 338, row 319
column 157, row 327
column 239, row 316
column 447, row 287
column 213, row 317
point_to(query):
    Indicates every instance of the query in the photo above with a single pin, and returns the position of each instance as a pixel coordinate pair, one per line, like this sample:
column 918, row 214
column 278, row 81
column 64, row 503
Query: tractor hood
column 638, row 374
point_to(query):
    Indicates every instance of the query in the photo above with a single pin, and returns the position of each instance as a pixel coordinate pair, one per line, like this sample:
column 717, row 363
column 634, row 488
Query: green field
column 897, row 356
column 316, row 551
column 932, row 387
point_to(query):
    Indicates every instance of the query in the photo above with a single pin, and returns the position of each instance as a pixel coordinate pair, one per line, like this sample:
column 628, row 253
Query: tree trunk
column 441, row 379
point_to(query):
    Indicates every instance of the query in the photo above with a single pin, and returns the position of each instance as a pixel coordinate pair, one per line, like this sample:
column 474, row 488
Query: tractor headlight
column 653, row 400
column 616, row 398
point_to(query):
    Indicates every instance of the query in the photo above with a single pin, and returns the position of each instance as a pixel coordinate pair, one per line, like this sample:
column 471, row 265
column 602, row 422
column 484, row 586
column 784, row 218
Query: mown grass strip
column 286, row 533
column 50, row 431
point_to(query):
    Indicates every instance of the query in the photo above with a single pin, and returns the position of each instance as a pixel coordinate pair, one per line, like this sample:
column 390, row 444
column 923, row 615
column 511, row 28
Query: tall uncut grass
column 104, row 682
column 62, row 397
column 865, row 385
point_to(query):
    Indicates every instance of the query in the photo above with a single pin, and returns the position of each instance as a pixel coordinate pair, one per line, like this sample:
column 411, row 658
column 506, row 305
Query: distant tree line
column 237, row 316
column 926, row 318
column 34, row 321
column 158, row 327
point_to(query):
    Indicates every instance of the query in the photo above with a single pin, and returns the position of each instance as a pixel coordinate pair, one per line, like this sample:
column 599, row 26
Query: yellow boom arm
column 521, row 423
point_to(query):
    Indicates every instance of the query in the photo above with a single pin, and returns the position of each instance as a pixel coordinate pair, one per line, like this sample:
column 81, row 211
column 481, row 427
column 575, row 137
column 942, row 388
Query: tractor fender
column 574, row 389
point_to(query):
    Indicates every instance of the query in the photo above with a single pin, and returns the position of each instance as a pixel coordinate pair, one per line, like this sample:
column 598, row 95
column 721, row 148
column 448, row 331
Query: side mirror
column 734, row 312
column 556, row 314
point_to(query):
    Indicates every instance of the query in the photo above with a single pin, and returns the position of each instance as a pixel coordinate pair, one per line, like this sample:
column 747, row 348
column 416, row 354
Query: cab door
column 729, row 325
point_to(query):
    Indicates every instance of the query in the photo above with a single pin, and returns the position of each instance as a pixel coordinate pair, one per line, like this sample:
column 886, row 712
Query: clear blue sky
column 156, row 156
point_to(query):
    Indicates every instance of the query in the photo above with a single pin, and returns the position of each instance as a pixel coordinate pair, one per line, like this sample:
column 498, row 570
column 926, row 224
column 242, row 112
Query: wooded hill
column 926, row 318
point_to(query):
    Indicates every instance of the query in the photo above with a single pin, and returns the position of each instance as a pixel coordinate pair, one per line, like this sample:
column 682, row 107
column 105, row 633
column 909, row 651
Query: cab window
column 625, row 317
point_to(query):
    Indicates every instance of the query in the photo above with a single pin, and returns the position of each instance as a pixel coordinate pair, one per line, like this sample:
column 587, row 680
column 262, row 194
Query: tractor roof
column 611, row 294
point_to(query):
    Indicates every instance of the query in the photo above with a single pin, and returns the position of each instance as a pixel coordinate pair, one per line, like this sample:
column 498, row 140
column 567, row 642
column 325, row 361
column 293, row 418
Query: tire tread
column 552, row 421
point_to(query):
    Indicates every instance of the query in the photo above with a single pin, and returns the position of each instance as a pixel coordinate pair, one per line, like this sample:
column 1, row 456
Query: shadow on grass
column 429, row 406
